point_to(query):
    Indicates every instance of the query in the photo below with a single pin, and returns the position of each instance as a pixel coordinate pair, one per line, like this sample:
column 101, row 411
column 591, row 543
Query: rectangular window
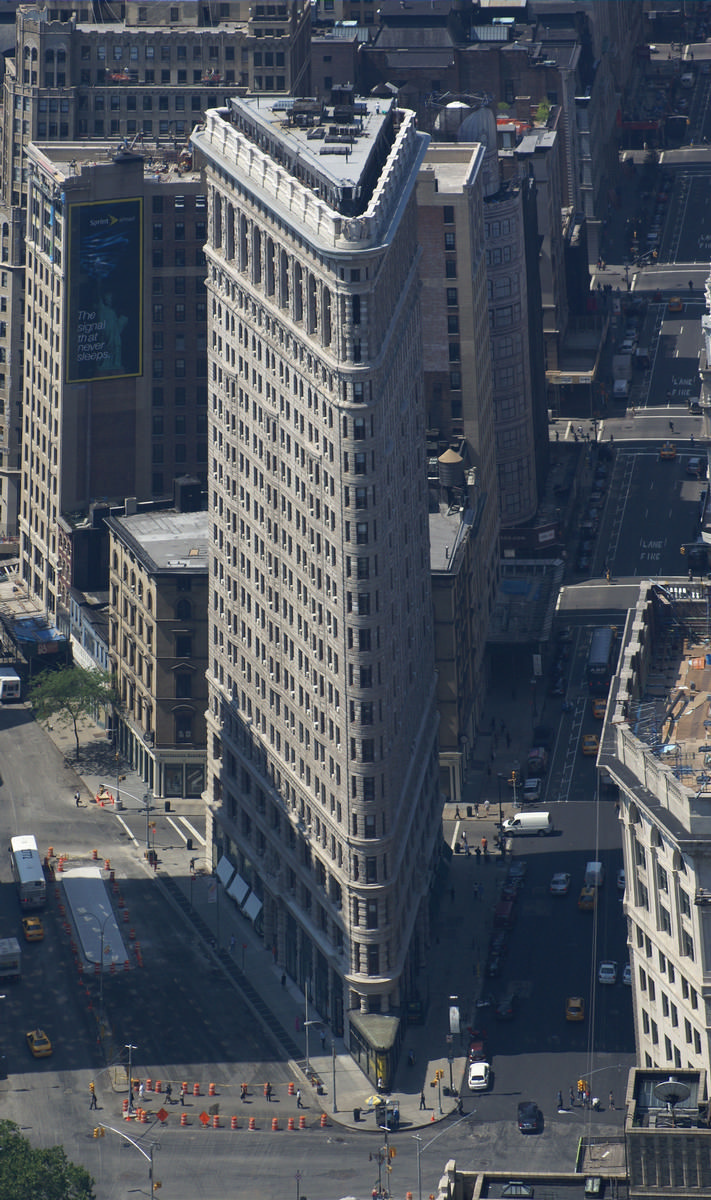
column 448, row 214
column 450, row 241
column 452, row 297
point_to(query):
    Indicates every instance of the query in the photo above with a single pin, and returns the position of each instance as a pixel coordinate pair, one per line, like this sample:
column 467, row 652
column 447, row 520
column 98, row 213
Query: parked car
column 560, row 884
column 627, row 975
column 621, row 880
column 590, row 744
column 530, row 1117
column 607, row 972
column 696, row 467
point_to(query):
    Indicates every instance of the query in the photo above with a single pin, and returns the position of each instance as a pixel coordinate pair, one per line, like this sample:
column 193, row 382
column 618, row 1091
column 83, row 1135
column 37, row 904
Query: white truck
column 594, row 874
column 10, row 958
column 621, row 376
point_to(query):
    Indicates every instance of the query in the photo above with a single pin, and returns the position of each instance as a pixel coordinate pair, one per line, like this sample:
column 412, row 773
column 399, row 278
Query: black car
column 530, row 1117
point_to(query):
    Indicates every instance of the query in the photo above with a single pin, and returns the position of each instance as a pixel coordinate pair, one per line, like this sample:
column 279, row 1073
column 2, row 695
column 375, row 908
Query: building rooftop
column 448, row 531
column 338, row 149
column 166, row 542
column 167, row 161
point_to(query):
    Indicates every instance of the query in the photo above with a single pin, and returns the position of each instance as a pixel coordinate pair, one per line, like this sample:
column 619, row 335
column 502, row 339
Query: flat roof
column 448, row 529
column 166, row 542
column 337, row 145
column 161, row 164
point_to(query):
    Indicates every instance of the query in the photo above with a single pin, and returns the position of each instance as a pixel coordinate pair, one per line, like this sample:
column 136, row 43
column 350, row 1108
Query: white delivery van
column 594, row 874
column 10, row 685
column 621, row 389
column 530, row 823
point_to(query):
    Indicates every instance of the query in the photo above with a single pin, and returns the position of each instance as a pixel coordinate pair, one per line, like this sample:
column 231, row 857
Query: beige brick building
column 322, row 764
column 158, row 644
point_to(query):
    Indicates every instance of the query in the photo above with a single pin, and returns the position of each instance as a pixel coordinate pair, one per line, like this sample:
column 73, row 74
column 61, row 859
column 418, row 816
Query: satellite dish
column 672, row 1092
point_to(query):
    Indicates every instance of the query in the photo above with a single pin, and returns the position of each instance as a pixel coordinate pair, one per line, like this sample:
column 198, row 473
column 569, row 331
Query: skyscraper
column 322, row 729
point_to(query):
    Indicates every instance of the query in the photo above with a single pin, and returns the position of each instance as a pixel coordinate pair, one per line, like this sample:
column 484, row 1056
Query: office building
column 464, row 511
column 655, row 752
column 322, row 733
column 93, row 72
column 115, row 398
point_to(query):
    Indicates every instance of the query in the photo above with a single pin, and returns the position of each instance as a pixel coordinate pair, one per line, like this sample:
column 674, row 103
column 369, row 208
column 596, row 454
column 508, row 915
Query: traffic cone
column 432, row 1118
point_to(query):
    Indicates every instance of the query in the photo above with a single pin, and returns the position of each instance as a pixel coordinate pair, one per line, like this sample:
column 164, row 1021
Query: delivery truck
column 10, row 958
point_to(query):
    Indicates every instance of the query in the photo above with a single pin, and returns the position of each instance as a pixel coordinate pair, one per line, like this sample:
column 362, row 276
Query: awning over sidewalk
column 252, row 907
column 224, row 870
column 238, row 890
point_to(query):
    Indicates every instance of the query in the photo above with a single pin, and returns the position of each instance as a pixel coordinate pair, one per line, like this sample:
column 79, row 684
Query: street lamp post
column 501, row 818
column 130, row 1049
column 147, row 799
column 333, row 1072
column 102, row 926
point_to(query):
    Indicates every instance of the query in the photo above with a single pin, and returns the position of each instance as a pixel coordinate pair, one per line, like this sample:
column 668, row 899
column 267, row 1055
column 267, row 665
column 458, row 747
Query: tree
column 543, row 111
column 69, row 694
column 42, row 1174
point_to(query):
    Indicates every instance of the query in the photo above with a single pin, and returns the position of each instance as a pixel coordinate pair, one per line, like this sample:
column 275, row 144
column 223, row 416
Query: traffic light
column 99, row 1131
column 157, row 1185
column 682, row 549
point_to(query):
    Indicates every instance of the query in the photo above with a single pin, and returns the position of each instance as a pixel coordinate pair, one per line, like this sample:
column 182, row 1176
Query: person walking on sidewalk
column 423, row 1102
column 77, row 799
column 94, row 1102
column 298, row 1098
column 559, row 1100
column 572, row 1098
column 486, row 807
column 611, row 1101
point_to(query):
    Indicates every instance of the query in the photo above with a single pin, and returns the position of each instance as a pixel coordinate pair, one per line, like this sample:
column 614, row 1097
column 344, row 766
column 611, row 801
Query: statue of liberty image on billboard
column 105, row 292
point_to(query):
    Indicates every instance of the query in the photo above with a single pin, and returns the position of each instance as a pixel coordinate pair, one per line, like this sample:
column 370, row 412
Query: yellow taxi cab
column 590, row 743
column 599, row 705
column 587, row 899
column 668, row 450
column 676, row 304
column 575, row 1008
column 33, row 929
column 39, row 1044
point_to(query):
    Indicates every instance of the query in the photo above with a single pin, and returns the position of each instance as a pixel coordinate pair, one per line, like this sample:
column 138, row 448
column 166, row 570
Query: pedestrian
column 557, row 435
column 671, row 426
column 243, row 1091
column 233, row 943
column 572, row 1098
column 322, row 1035
column 691, row 285
column 77, row 799
column 484, row 845
column 457, row 814
column 183, row 1090
column 411, row 1058
column 192, row 866
column 691, row 438
column 141, row 1090
column 611, row 1101
column 423, row 1102
column 94, row 1102
column 283, row 980
column 476, row 808
column 465, row 843
column 268, row 1092
column 587, row 1097
column 487, row 806
column 130, row 1099
column 560, row 1100
column 381, row 1084
column 298, row 1098
column 477, row 851
column 168, row 1093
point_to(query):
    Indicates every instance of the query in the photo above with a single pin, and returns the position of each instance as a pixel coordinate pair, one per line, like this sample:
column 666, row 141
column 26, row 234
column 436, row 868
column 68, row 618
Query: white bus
column 10, row 685
column 27, row 872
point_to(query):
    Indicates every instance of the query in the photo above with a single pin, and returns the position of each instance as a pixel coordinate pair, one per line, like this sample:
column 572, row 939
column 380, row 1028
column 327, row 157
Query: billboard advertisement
column 105, row 290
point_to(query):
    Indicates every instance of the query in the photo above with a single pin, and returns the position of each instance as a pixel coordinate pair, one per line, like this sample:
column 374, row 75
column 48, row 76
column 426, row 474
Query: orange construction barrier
column 233, row 1123
column 211, row 1090
column 107, row 865
column 216, row 1121
column 302, row 1121
column 149, row 1085
column 126, row 965
column 128, row 1115
column 184, row 1088
column 125, row 916
column 50, row 852
column 324, row 1121
column 290, row 1123
column 196, row 1089
column 291, row 1088
column 252, row 1123
column 275, row 1124
column 121, row 902
column 143, row 1116
column 131, row 934
column 159, row 1085
column 125, row 1105
column 183, row 1119
column 60, row 864
column 94, row 855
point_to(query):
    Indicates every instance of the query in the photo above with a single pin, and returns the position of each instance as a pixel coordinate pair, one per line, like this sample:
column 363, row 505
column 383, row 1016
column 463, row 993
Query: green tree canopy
column 41, row 1174
column 69, row 694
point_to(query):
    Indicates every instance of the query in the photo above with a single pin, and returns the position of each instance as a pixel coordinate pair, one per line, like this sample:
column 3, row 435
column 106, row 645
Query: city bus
column 601, row 659
column 27, row 872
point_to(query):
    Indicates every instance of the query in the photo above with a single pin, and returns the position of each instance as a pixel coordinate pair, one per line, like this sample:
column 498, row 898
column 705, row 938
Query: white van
column 532, row 823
